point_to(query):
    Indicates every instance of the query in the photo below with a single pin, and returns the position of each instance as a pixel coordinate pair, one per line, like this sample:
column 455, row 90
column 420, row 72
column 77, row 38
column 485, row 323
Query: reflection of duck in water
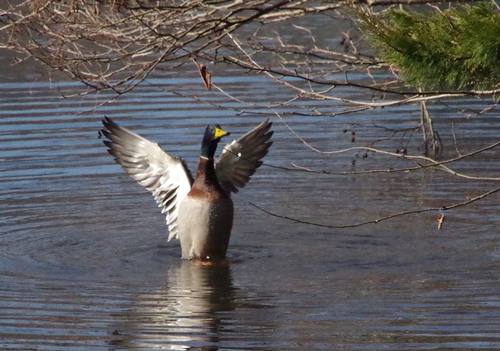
column 184, row 315
column 199, row 213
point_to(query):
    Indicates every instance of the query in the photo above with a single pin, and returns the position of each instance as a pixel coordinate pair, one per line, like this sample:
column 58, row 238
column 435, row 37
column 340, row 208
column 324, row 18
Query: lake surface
column 84, row 258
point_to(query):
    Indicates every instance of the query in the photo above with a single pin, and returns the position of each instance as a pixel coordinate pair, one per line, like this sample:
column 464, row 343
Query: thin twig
column 381, row 219
column 430, row 162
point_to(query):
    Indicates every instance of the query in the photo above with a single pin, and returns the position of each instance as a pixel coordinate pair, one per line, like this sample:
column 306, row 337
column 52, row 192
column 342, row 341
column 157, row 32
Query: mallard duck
column 200, row 210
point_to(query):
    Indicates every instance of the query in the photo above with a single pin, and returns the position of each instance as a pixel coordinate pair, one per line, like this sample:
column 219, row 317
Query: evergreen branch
column 456, row 48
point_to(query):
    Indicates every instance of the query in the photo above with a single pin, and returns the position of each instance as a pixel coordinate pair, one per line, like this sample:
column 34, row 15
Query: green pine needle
column 455, row 49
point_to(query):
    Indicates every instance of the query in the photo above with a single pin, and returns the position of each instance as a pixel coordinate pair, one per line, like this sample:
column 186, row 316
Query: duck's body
column 199, row 212
column 205, row 216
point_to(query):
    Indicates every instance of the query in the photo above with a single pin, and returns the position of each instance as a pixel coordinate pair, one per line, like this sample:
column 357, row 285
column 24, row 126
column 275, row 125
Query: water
column 85, row 265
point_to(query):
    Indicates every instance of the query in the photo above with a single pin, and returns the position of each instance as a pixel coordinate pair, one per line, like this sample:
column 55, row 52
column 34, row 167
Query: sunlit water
column 85, row 263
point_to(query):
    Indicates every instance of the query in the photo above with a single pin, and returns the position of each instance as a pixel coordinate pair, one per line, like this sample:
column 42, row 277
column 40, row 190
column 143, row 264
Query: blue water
column 85, row 263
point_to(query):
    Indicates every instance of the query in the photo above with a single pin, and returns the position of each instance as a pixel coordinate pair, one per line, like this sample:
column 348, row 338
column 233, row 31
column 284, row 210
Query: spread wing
column 241, row 158
column 166, row 177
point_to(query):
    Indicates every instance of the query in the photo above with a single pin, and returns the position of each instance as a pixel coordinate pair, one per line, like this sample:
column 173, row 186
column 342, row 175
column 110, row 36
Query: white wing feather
column 166, row 177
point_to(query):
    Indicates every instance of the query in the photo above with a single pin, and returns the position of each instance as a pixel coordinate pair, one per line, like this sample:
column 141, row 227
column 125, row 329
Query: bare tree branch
column 118, row 44
column 381, row 219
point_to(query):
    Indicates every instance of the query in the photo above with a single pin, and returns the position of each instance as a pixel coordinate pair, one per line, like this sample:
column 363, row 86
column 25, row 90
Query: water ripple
column 84, row 262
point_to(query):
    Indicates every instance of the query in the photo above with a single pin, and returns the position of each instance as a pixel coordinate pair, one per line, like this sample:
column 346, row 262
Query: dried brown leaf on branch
column 207, row 77
column 440, row 220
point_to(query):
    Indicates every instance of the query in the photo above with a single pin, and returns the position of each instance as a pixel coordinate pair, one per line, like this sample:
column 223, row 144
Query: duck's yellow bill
column 219, row 133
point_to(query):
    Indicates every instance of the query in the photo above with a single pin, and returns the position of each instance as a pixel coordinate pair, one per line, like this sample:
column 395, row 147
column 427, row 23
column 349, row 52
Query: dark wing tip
column 109, row 124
